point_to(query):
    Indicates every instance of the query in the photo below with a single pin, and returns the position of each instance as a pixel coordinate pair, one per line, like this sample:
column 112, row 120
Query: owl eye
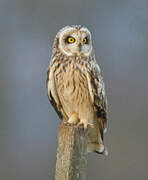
column 85, row 40
column 70, row 40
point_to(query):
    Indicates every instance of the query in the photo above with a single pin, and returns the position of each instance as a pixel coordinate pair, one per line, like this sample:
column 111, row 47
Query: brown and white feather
column 75, row 86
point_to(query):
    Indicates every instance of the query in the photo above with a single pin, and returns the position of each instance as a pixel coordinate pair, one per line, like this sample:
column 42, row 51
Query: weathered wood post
column 71, row 153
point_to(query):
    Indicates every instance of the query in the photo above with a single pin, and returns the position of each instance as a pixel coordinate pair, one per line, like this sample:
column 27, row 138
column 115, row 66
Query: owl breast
column 72, row 87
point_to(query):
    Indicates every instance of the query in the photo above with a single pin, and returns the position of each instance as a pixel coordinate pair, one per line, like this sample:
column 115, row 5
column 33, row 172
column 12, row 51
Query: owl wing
column 98, row 96
column 53, row 95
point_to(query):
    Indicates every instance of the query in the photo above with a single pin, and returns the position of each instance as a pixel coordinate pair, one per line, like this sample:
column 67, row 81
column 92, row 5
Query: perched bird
column 75, row 85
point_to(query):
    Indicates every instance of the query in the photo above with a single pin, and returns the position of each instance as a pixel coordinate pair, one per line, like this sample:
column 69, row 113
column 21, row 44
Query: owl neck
column 57, row 55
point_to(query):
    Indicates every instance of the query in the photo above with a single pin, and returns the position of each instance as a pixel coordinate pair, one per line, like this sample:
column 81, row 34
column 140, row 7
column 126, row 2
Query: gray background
column 28, row 124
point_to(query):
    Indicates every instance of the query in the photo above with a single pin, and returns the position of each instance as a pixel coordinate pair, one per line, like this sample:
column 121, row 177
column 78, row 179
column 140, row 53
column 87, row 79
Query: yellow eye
column 70, row 39
column 85, row 40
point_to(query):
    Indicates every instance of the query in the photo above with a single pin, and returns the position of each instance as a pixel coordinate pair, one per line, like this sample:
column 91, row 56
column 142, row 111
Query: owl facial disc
column 75, row 41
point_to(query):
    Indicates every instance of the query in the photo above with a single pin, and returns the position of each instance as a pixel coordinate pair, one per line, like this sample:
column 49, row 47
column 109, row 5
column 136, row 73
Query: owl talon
column 67, row 123
column 91, row 125
column 85, row 125
column 73, row 120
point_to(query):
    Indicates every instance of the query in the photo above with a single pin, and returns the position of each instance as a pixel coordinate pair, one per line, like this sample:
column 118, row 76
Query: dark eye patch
column 70, row 40
column 86, row 40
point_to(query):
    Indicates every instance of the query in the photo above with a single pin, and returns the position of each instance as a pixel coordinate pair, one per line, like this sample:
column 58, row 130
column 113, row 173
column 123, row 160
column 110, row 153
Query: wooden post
column 71, row 153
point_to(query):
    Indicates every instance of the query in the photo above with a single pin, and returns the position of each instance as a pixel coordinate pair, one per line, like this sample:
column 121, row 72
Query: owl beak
column 79, row 47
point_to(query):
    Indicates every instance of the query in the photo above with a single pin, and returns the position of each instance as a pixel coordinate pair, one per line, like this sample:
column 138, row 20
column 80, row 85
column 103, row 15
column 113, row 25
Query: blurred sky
column 28, row 124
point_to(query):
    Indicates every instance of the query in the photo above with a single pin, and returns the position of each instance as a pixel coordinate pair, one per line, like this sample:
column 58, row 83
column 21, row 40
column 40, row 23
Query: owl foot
column 85, row 124
column 73, row 120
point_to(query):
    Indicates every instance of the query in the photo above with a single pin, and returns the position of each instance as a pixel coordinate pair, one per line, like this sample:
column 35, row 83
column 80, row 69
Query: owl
column 75, row 86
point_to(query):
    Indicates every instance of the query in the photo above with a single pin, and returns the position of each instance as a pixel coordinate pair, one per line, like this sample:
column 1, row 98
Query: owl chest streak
column 72, row 87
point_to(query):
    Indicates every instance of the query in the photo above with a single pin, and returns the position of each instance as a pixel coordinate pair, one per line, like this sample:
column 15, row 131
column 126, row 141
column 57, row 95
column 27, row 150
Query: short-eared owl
column 75, row 85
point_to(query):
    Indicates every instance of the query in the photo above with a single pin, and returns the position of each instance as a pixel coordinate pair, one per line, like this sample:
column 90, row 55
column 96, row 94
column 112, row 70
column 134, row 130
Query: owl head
column 74, row 41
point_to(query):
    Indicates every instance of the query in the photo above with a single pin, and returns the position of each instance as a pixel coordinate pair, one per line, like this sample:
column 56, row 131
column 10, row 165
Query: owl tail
column 104, row 152
column 97, row 148
column 95, row 140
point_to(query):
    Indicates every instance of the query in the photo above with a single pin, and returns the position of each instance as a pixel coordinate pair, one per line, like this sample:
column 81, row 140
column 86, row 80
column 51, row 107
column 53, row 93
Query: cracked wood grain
column 71, row 153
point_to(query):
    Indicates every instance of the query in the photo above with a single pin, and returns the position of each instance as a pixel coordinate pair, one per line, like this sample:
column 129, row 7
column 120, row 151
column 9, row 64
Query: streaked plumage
column 75, row 85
